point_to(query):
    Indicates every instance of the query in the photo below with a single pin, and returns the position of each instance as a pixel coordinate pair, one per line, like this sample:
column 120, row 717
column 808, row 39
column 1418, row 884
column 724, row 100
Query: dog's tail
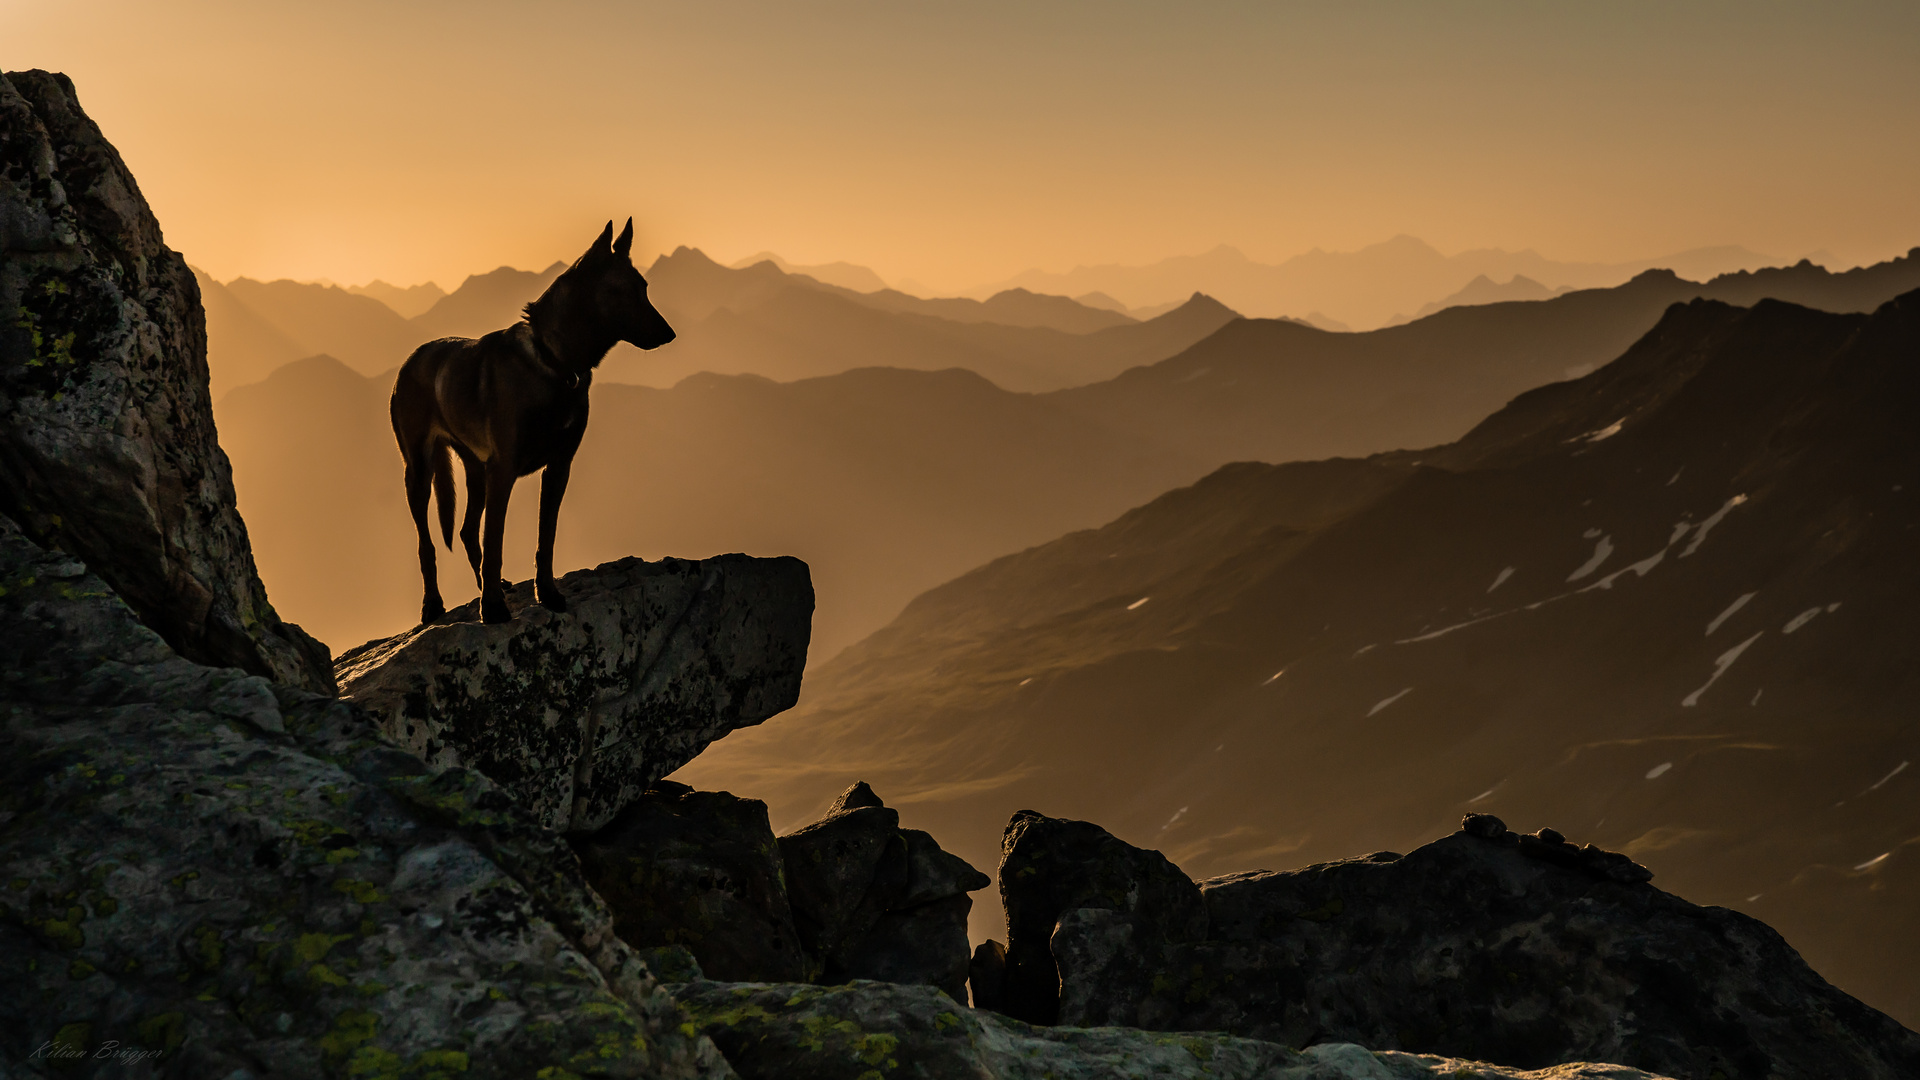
column 443, row 492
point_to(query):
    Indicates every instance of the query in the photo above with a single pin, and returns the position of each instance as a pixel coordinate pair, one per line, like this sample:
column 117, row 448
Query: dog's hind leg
column 553, row 488
column 419, row 487
column 476, row 476
column 442, row 462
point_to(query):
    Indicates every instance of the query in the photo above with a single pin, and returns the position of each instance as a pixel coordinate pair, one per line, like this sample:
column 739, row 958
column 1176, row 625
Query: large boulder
column 699, row 869
column 1525, row 950
column 577, row 713
column 107, row 443
column 1050, row 867
column 865, row 1030
column 874, row 901
column 240, row 878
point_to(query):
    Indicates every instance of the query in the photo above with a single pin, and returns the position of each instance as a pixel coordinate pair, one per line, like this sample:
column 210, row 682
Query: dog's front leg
column 493, row 593
column 553, row 488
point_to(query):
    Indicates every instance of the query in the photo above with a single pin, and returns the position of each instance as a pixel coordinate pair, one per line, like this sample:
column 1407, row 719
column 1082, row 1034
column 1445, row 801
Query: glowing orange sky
column 957, row 144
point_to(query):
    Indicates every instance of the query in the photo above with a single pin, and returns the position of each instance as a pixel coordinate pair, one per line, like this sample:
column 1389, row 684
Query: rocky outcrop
column 107, row 443
column 874, row 901
column 577, row 713
column 698, row 869
column 1525, row 950
column 866, row 1029
column 1051, row 867
column 853, row 896
column 244, row 879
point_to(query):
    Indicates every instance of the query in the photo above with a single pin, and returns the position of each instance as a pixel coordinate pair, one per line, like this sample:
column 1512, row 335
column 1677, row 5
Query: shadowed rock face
column 245, row 876
column 577, row 714
column 874, row 901
column 867, row 1029
column 1526, row 950
column 698, row 869
column 107, row 444
column 1051, row 867
column 853, row 896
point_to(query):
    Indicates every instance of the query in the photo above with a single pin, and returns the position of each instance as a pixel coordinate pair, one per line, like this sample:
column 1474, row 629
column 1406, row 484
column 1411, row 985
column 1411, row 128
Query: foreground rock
column 1523, row 950
column 576, row 714
column 698, row 869
column 246, row 880
column 874, row 901
column 1053, row 867
column 107, row 446
column 868, row 1029
column 853, row 896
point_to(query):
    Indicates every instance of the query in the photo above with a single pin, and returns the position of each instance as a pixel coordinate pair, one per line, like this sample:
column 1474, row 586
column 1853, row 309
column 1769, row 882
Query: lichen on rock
column 240, row 875
column 577, row 713
column 866, row 1030
column 107, row 443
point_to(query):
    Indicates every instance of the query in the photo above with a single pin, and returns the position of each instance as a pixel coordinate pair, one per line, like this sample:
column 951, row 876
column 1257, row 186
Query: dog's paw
column 552, row 598
column 432, row 610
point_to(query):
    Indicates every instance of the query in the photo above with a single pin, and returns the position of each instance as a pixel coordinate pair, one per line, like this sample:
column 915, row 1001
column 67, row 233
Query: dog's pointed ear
column 605, row 238
column 623, row 247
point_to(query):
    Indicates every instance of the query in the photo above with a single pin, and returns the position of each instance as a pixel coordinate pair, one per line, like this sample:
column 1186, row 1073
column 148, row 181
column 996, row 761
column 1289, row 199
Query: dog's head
column 603, row 285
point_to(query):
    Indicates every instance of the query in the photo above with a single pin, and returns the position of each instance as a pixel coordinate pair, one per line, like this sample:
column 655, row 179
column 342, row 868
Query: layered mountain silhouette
column 846, row 275
column 762, row 321
column 1670, row 607
column 1484, row 290
column 886, row 481
column 406, row 302
column 1276, row 390
column 1362, row 288
column 890, row 482
column 759, row 320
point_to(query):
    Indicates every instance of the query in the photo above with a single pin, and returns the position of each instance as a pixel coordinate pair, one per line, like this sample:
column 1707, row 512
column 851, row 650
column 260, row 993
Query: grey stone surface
column 1526, row 950
column 577, row 713
column 874, row 901
column 246, row 879
column 884, row 1031
column 698, row 869
column 1052, row 866
column 107, row 443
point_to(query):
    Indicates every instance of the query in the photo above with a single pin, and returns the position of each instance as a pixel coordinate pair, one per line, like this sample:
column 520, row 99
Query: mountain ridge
column 1362, row 288
column 1663, row 603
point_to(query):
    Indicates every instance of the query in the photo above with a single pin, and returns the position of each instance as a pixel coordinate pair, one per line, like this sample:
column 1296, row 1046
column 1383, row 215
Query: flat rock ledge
column 577, row 713
column 795, row 1031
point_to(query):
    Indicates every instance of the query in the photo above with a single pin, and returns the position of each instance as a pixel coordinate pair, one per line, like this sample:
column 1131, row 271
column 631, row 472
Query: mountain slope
column 361, row 332
column 761, row 321
column 406, row 302
column 701, row 467
column 1275, row 390
column 1483, row 290
column 484, row 303
column 1670, row 607
column 1013, row 307
column 242, row 346
column 1363, row 288
column 886, row 481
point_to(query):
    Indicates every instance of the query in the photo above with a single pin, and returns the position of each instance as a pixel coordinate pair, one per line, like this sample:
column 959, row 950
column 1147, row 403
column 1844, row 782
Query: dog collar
column 545, row 358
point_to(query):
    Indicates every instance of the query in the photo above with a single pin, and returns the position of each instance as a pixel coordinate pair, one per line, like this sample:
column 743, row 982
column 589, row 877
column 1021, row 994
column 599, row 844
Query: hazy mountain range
column 1364, row 288
column 846, row 275
column 1670, row 608
column 762, row 321
column 889, row 482
column 759, row 320
column 408, row 302
column 254, row 327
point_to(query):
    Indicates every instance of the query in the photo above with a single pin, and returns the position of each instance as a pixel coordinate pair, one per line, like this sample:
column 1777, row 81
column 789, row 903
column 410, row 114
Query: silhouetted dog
column 512, row 402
